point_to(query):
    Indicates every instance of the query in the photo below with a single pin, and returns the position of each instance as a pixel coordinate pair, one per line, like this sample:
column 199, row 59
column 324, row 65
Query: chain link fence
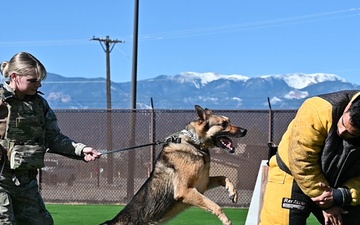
column 115, row 178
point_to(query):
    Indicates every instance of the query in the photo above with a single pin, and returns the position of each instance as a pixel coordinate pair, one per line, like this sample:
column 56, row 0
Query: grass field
column 95, row 214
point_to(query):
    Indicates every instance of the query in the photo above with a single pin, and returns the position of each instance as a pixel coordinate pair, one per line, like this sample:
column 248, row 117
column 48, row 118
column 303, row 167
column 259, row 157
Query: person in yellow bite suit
column 317, row 166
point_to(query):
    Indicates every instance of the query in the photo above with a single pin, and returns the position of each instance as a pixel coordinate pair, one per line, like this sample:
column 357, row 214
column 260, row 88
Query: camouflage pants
column 23, row 205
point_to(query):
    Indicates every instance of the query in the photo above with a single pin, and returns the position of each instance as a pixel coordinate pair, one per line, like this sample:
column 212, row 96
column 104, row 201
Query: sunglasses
column 33, row 80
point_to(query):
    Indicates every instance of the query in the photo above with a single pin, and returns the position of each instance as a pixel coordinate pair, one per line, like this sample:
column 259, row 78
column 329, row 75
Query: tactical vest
column 22, row 130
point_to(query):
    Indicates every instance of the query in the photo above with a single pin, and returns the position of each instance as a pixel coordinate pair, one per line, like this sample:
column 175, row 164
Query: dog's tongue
column 227, row 143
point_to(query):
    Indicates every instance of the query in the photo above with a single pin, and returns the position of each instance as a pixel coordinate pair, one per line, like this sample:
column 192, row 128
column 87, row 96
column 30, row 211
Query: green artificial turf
column 96, row 214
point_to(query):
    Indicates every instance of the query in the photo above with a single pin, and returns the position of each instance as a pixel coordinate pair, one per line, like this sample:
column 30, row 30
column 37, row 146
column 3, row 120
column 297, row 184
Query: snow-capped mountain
column 183, row 91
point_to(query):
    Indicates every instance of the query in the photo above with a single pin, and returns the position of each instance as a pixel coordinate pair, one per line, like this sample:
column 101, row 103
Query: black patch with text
column 288, row 203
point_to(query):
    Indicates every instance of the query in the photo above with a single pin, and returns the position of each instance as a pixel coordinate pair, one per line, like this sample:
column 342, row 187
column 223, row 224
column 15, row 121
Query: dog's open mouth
column 225, row 143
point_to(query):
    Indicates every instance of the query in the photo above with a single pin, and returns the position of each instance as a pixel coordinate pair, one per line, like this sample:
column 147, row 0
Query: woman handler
column 28, row 127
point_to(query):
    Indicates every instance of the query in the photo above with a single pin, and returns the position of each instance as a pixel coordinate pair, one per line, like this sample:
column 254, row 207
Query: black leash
column 129, row 148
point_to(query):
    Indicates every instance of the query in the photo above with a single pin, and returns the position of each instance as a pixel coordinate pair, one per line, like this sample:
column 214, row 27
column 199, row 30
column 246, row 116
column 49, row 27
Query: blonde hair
column 23, row 63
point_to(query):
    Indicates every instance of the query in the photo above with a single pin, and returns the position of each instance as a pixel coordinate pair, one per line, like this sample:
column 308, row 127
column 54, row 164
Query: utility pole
column 131, row 155
column 109, row 45
column 135, row 54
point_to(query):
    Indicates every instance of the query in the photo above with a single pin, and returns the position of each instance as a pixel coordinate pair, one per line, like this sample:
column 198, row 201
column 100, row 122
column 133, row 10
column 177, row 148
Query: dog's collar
column 173, row 139
column 176, row 138
column 193, row 136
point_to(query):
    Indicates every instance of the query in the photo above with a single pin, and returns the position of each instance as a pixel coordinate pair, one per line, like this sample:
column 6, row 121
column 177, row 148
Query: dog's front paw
column 233, row 194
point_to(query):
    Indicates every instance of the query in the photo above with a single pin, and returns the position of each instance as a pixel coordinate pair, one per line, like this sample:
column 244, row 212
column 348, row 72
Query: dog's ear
column 208, row 111
column 201, row 112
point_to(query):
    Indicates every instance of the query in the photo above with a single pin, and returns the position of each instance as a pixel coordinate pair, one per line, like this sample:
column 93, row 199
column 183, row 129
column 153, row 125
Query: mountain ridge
column 184, row 90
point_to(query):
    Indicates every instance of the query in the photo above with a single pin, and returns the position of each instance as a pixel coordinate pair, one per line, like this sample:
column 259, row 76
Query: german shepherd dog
column 181, row 174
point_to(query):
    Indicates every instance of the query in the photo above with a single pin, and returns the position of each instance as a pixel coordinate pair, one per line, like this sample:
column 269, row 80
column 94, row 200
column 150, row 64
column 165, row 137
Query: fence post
column 153, row 135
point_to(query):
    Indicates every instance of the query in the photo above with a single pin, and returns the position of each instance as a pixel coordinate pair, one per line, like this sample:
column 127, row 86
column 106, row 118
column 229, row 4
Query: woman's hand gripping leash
column 90, row 154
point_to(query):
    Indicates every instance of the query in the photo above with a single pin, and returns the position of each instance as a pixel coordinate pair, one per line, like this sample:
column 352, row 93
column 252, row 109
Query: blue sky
column 250, row 38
